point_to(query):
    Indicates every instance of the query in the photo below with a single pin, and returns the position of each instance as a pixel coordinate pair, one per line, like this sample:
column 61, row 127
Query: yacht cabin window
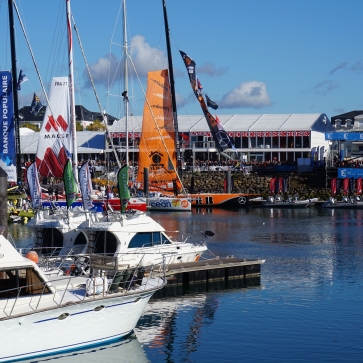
column 25, row 278
column 148, row 239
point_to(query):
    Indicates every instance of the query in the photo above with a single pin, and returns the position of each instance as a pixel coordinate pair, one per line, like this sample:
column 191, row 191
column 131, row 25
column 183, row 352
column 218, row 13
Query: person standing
column 56, row 192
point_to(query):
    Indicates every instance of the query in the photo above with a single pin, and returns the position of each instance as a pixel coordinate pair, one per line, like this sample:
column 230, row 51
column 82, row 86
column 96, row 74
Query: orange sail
column 157, row 149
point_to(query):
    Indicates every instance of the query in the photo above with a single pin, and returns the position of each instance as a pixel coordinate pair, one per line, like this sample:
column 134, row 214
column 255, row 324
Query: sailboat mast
column 126, row 84
column 15, row 91
column 172, row 88
column 71, row 90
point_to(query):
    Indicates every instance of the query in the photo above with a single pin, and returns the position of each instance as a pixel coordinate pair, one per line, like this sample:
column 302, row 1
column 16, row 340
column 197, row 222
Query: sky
column 252, row 56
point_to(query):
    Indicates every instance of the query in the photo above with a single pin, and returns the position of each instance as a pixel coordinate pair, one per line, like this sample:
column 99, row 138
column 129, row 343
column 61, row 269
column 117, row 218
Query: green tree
column 97, row 125
column 79, row 126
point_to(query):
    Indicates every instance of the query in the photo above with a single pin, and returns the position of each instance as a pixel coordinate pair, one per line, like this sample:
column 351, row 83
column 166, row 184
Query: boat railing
column 109, row 278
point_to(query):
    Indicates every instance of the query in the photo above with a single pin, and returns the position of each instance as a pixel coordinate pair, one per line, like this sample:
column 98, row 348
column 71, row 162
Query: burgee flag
column 22, row 78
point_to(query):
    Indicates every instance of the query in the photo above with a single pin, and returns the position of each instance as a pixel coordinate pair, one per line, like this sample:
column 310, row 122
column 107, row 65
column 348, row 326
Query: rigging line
column 156, row 124
column 32, row 55
column 95, row 92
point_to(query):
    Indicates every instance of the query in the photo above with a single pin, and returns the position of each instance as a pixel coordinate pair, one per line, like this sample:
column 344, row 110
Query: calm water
column 309, row 307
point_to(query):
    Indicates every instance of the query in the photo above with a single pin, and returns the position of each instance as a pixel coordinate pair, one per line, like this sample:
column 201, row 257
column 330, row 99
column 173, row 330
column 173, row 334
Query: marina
column 313, row 268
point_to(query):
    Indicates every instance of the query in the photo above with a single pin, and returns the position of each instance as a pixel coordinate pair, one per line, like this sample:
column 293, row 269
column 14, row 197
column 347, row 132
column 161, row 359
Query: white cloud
column 252, row 94
column 144, row 57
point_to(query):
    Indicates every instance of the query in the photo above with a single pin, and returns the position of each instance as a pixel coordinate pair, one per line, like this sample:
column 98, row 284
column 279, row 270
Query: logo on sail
column 61, row 122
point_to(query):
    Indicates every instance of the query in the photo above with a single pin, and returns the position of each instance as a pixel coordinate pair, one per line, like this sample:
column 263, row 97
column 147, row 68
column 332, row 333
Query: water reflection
column 127, row 350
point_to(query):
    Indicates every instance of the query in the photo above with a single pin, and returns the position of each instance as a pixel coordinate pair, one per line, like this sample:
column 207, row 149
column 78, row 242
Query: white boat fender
column 97, row 285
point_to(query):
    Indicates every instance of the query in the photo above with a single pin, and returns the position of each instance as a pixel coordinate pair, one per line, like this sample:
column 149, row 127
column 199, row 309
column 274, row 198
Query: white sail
column 55, row 141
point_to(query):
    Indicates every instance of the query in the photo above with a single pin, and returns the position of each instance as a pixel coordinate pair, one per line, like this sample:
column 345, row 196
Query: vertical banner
column 272, row 186
column 359, row 185
column 345, row 186
column 220, row 136
column 333, row 186
column 34, row 186
column 70, row 184
column 123, row 187
column 7, row 145
column 85, row 183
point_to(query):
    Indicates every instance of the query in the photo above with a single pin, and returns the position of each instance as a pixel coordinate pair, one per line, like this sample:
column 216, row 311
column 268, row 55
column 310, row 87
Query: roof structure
column 82, row 114
column 253, row 122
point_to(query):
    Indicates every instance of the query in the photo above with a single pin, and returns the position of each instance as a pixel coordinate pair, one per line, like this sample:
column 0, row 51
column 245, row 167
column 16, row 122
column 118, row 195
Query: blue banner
column 7, row 144
column 350, row 173
column 351, row 136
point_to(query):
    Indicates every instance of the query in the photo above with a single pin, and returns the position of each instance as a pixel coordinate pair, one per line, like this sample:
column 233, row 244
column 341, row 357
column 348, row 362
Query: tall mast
column 172, row 87
column 71, row 90
column 15, row 91
column 126, row 85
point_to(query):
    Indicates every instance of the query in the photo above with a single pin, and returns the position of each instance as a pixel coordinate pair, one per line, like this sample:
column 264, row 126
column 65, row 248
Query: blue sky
column 260, row 56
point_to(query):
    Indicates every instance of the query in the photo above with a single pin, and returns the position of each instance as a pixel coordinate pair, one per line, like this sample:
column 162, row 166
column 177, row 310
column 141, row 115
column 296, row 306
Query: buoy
column 33, row 256
column 197, row 257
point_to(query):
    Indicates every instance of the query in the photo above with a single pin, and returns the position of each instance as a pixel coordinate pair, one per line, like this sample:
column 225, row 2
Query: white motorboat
column 41, row 316
column 346, row 203
column 86, row 232
column 290, row 202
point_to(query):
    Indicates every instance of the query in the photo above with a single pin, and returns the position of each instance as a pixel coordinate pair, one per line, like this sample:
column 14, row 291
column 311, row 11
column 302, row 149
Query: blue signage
column 7, row 144
column 343, row 136
column 350, row 173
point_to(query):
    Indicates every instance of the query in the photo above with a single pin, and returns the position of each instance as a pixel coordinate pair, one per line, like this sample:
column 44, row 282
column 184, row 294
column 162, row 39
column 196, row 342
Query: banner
column 272, row 186
column 345, row 186
column 34, row 186
column 85, row 183
column 333, row 186
column 351, row 185
column 359, row 185
column 55, row 140
column 312, row 156
column 220, row 136
column 7, row 145
column 70, row 184
column 123, row 187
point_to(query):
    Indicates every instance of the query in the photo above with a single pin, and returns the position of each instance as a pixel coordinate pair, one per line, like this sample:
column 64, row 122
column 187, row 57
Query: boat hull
column 222, row 200
column 37, row 334
column 169, row 204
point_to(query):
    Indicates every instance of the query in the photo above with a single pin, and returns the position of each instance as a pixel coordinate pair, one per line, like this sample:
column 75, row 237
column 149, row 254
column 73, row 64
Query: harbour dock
column 211, row 274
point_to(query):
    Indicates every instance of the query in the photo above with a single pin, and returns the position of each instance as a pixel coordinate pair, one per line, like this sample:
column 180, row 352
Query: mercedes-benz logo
column 242, row 200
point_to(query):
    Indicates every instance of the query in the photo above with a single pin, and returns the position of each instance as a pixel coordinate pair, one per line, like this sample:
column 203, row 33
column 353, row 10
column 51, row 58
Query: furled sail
column 55, row 141
column 157, row 149
column 220, row 136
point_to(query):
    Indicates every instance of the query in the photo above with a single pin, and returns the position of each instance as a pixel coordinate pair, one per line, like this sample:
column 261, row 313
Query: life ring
column 197, row 257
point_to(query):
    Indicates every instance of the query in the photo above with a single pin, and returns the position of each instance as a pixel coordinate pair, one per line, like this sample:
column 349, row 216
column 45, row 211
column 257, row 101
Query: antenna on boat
column 15, row 93
column 172, row 88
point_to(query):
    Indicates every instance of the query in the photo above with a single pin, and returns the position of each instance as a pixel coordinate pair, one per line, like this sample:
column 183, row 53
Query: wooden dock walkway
column 213, row 274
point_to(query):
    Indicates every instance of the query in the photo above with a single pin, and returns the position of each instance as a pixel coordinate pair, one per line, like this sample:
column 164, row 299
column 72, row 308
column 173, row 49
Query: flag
column 123, row 187
column 34, row 185
column 36, row 105
column 220, row 136
column 86, row 186
column 70, row 184
column 22, row 78
column 210, row 103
